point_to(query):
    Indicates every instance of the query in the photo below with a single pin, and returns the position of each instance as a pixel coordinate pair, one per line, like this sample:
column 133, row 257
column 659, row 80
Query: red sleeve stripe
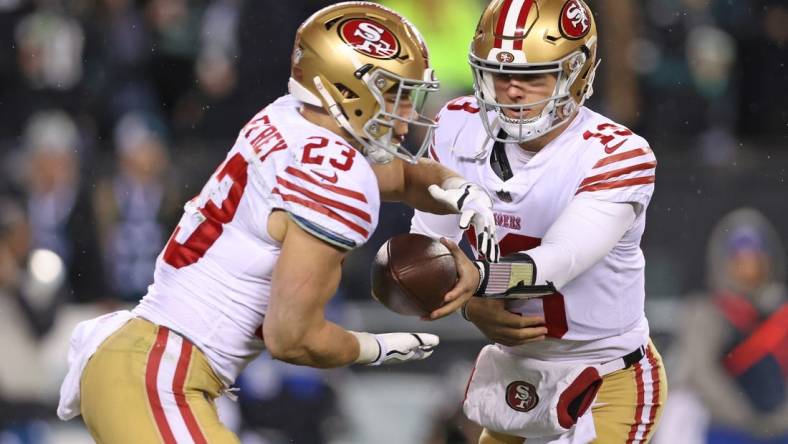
column 622, row 156
column 324, row 200
column 618, row 172
column 616, row 184
column 339, row 190
column 322, row 210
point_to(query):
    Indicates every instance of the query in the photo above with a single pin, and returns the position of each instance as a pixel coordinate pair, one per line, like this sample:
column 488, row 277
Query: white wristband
column 368, row 347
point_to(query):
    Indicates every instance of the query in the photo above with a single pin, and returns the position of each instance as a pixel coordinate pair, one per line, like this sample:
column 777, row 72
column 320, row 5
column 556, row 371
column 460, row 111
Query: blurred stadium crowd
column 114, row 112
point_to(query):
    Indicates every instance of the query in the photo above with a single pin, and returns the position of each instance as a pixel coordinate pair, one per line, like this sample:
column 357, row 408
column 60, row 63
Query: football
column 411, row 274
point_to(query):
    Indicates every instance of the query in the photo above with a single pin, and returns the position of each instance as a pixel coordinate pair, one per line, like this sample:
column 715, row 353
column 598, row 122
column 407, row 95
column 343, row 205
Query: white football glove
column 475, row 208
column 394, row 348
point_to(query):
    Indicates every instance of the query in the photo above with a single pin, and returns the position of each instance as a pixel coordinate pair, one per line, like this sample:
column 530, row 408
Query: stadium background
column 114, row 112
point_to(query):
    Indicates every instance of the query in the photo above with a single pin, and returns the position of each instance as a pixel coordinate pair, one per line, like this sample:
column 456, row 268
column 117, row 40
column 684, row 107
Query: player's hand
column 467, row 283
column 502, row 326
column 396, row 348
column 475, row 208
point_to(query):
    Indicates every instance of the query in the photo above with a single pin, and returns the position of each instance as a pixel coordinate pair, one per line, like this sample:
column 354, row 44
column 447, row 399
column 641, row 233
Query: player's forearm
column 419, row 177
column 584, row 233
column 404, row 182
column 324, row 346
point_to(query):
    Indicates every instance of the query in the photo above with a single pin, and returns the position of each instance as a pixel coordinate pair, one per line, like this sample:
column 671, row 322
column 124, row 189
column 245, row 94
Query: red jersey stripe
column 322, row 210
column 502, row 23
column 640, row 400
column 178, row 382
column 622, row 156
column 324, row 200
column 617, row 184
column 151, row 385
column 618, row 172
column 520, row 30
column 555, row 315
column 339, row 190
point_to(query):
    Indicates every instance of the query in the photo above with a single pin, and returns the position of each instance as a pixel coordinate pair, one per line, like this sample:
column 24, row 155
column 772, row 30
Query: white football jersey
column 599, row 314
column 212, row 282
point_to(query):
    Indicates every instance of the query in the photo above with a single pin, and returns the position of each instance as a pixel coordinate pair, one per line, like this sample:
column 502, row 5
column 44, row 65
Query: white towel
column 85, row 340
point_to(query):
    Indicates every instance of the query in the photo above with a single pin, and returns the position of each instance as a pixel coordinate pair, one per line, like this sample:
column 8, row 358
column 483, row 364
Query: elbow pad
column 512, row 278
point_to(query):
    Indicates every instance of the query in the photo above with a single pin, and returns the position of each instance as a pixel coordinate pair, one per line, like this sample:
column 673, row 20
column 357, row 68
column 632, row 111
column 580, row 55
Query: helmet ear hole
column 358, row 113
column 346, row 92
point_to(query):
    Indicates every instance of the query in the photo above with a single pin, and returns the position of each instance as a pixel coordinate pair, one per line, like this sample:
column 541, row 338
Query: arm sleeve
column 584, row 233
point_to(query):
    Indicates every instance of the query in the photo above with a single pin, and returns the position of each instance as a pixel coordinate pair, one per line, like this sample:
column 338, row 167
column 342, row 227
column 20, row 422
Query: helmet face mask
column 556, row 108
column 369, row 69
column 401, row 103
column 555, row 37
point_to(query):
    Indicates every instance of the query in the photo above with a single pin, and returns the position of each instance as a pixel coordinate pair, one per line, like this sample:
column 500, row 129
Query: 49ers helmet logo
column 521, row 396
column 369, row 38
column 505, row 57
column 575, row 20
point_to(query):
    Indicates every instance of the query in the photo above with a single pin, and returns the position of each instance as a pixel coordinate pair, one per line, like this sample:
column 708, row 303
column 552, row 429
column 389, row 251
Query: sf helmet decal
column 370, row 38
column 505, row 57
column 575, row 21
column 521, row 396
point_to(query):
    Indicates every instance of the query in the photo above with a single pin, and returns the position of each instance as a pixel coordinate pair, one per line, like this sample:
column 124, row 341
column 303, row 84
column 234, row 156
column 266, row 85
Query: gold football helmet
column 349, row 59
column 534, row 36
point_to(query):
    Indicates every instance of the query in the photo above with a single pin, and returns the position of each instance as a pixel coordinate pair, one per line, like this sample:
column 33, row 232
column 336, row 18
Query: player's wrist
column 483, row 268
column 514, row 275
column 464, row 311
column 369, row 349
column 454, row 182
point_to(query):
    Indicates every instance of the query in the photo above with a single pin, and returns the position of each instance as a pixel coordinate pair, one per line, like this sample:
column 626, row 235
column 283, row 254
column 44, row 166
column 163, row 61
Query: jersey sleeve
column 451, row 119
column 331, row 193
column 625, row 174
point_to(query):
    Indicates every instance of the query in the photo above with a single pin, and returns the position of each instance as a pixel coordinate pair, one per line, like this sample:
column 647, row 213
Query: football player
column 257, row 254
column 570, row 188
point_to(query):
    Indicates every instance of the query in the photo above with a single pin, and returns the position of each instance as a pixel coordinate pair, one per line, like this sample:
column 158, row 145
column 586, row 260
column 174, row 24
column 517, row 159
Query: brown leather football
column 412, row 273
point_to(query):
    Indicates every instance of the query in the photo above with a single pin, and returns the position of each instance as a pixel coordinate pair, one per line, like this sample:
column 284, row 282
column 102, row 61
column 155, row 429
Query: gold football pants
column 627, row 407
column 147, row 384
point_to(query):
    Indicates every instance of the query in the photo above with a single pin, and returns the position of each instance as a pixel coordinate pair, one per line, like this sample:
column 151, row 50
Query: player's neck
column 320, row 117
column 537, row 144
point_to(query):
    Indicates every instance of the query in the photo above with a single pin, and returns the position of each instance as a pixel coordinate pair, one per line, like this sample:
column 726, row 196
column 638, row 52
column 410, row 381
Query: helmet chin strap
column 531, row 130
column 302, row 94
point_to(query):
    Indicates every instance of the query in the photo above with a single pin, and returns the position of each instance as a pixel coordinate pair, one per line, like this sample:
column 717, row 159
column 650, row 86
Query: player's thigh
column 146, row 384
column 629, row 404
column 490, row 437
